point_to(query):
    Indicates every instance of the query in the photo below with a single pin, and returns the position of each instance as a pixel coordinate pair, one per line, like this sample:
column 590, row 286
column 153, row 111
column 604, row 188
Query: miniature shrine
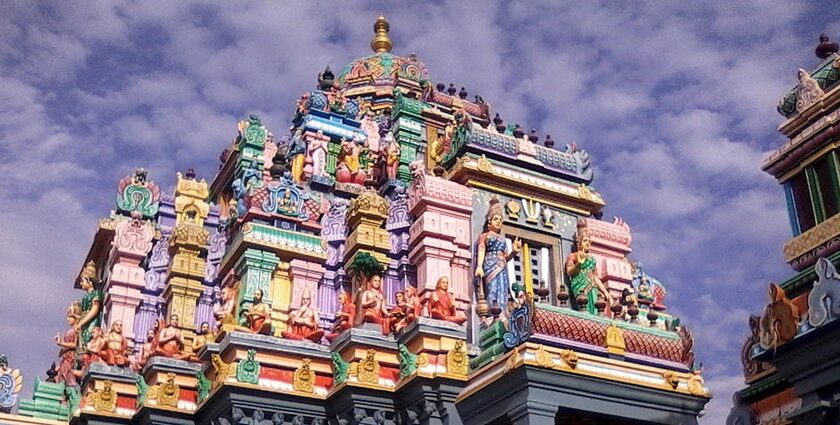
column 401, row 255
column 790, row 359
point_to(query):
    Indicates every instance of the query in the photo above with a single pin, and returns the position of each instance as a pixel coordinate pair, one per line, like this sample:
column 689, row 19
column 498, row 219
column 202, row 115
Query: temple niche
column 401, row 255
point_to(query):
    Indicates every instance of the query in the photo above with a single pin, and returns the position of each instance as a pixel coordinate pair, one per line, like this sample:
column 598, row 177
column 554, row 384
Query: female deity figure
column 91, row 304
column 580, row 266
column 392, row 159
column 67, row 356
column 493, row 258
column 349, row 168
column 296, row 155
column 318, row 154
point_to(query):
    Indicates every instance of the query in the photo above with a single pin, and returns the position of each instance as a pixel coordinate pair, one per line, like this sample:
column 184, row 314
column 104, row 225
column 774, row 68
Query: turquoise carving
column 341, row 369
column 408, row 362
column 248, row 370
column 135, row 194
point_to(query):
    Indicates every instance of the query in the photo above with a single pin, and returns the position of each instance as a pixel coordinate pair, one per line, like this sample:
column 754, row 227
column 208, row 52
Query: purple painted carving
column 147, row 313
column 204, row 310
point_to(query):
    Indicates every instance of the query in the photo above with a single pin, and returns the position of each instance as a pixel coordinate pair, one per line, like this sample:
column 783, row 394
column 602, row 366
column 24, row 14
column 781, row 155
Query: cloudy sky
column 675, row 100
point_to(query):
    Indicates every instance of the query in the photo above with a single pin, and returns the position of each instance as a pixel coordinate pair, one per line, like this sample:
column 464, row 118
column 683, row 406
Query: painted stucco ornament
column 203, row 386
column 408, row 361
column 248, row 370
column 135, row 193
column 10, row 385
column 780, row 319
column 341, row 369
column 824, row 298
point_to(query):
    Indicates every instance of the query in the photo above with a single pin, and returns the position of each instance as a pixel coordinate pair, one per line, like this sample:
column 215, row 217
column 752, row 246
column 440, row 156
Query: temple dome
column 382, row 67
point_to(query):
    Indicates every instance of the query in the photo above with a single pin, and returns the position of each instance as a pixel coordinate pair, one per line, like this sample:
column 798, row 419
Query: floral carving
column 134, row 236
column 808, row 92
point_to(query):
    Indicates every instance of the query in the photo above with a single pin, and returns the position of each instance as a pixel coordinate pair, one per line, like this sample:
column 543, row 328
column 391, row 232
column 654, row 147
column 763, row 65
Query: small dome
column 382, row 67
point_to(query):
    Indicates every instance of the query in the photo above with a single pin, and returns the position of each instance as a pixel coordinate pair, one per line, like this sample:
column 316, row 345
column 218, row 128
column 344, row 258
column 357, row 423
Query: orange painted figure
column 259, row 315
column 303, row 322
column 115, row 349
column 372, row 304
column 170, row 342
column 441, row 306
column 344, row 316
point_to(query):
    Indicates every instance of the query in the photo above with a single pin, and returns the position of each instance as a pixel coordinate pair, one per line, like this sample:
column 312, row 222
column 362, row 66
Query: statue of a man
column 372, row 303
column 296, row 155
column 170, row 342
column 259, row 315
column 93, row 347
column 441, row 306
column 344, row 317
column 115, row 350
column 303, row 322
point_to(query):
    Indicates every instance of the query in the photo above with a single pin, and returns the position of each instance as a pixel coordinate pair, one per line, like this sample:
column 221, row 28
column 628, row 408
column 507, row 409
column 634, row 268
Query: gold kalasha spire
column 381, row 42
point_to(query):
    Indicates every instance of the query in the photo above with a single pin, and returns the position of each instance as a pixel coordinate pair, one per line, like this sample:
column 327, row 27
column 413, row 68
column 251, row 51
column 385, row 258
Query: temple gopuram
column 791, row 359
column 401, row 255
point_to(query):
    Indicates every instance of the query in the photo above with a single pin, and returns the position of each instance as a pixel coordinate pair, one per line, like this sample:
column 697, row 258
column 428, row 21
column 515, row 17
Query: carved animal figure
column 824, row 299
column 779, row 321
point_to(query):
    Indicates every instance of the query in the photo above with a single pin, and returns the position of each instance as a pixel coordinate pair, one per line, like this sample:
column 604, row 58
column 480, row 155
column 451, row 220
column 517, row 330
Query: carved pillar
column 280, row 296
column 398, row 224
column 305, row 275
column 334, row 234
column 132, row 242
column 187, row 247
column 147, row 313
column 255, row 268
column 366, row 218
column 440, row 234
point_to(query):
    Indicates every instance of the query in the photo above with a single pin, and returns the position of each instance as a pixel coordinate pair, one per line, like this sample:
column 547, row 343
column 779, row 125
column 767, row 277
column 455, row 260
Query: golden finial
column 381, row 42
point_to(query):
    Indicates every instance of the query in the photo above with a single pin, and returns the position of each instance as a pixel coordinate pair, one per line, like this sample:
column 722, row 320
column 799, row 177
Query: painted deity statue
column 372, row 307
column 441, row 306
column 259, row 315
column 303, row 322
column 115, row 349
column 146, row 351
column 91, row 303
column 68, row 343
column 401, row 315
column 93, row 347
column 296, row 155
column 170, row 342
column 580, row 266
column 493, row 258
column 224, row 312
column 349, row 168
column 202, row 337
column 318, row 155
column 392, row 159
column 344, row 317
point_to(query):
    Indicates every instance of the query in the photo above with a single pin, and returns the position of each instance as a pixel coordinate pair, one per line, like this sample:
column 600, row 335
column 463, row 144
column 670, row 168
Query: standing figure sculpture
column 67, row 372
column 441, row 306
column 296, row 155
column 91, row 303
column 259, row 315
column 224, row 312
column 344, row 317
column 318, row 155
column 303, row 322
column 115, row 349
column 392, row 159
column 580, row 266
column 493, row 257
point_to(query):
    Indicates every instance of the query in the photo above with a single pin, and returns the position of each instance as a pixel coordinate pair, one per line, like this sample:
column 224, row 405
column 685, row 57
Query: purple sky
column 675, row 101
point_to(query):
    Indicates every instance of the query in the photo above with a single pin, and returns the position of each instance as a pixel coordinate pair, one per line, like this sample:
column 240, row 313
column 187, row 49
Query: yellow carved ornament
column 104, row 399
column 168, row 392
column 223, row 369
column 304, row 378
column 457, row 361
column 543, row 357
column 368, row 369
